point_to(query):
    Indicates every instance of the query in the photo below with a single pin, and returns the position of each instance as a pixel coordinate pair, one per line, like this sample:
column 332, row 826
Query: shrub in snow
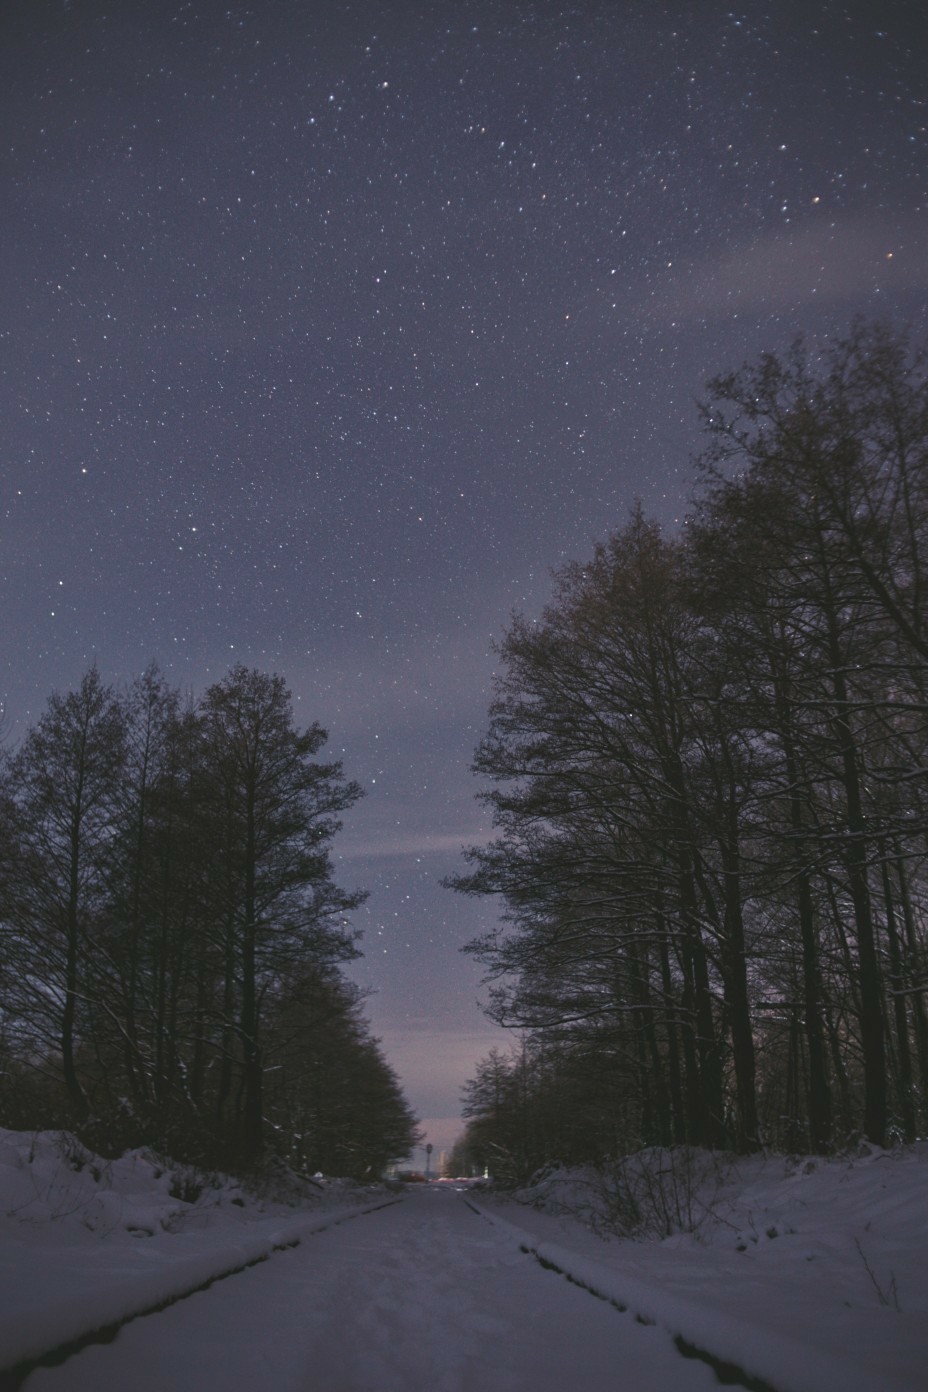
column 654, row 1193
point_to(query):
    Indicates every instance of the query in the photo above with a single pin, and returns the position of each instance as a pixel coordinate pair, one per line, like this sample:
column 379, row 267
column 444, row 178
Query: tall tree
column 172, row 935
column 67, row 781
column 332, row 1100
column 831, row 492
column 592, row 746
column 708, row 766
column 273, row 811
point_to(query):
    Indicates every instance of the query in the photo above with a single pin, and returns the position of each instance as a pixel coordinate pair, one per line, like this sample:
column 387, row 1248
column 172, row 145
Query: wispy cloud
column 411, row 845
column 821, row 263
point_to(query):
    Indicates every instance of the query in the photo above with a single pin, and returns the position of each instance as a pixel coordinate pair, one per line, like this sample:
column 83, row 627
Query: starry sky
column 329, row 327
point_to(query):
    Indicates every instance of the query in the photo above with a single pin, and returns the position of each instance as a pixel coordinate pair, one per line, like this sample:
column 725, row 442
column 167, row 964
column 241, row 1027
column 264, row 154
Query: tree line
column 173, row 935
column 708, row 770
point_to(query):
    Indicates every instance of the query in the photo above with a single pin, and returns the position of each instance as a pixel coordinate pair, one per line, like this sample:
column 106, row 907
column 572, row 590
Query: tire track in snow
column 13, row 1377
column 422, row 1295
column 738, row 1355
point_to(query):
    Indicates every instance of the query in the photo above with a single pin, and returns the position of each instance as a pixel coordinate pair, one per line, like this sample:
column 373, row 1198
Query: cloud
column 818, row 264
column 423, row 844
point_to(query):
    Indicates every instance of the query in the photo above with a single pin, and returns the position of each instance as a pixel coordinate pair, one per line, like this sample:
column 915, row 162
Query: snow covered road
column 423, row 1296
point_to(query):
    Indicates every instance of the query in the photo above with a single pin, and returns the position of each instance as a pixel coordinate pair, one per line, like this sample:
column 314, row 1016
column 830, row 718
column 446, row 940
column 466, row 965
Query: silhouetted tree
column 66, row 783
column 707, row 766
column 273, row 811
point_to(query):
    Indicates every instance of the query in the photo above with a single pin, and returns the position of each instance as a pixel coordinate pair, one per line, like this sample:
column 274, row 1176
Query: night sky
column 328, row 329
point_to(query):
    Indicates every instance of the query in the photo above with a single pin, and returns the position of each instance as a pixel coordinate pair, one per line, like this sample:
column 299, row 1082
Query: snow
column 420, row 1295
column 795, row 1266
column 808, row 1274
column 86, row 1243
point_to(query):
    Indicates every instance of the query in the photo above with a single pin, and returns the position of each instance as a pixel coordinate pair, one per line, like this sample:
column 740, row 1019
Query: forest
column 173, row 937
column 707, row 765
column 708, row 770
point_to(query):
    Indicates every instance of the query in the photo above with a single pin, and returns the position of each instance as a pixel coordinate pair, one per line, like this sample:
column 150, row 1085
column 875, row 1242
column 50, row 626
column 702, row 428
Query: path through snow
column 424, row 1294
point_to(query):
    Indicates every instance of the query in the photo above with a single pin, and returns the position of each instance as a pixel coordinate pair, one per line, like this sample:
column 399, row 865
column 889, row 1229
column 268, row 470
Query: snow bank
column 87, row 1243
column 780, row 1361
column 806, row 1273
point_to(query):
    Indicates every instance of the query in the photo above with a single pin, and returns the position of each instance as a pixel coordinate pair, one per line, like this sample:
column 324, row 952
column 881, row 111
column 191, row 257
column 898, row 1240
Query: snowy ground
column 86, row 1243
column 808, row 1277
column 790, row 1261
